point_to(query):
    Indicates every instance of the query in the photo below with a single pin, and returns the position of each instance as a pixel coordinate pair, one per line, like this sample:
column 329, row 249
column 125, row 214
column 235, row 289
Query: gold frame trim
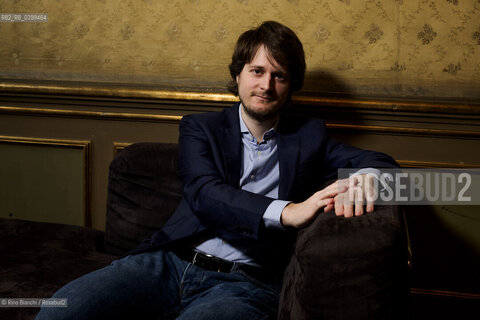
column 444, row 293
column 175, row 119
column 103, row 90
column 84, row 145
column 117, row 92
column 457, row 108
column 406, row 131
column 433, row 164
column 119, row 146
column 89, row 114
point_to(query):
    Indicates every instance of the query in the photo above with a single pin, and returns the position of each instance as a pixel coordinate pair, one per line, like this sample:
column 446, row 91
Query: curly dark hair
column 280, row 41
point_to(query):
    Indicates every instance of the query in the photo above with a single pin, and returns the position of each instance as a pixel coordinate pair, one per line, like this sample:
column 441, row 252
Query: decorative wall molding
column 457, row 108
column 83, row 145
column 431, row 164
column 114, row 91
column 88, row 114
column 101, row 90
column 119, row 146
column 443, row 293
column 469, row 134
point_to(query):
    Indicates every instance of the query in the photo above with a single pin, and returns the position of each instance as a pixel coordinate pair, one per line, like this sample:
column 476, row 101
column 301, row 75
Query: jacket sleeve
column 217, row 202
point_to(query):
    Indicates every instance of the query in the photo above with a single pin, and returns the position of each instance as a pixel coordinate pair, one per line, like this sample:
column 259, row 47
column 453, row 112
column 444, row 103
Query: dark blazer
column 210, row 156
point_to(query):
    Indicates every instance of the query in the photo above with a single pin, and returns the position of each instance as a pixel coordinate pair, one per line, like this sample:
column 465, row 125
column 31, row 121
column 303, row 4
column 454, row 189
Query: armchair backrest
column 143, row 192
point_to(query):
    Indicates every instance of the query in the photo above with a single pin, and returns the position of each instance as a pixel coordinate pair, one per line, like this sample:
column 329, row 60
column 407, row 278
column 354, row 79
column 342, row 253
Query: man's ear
column 236, row 78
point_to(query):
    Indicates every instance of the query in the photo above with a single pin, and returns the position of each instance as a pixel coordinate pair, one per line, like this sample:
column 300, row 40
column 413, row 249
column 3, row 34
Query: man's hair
column 283, row 45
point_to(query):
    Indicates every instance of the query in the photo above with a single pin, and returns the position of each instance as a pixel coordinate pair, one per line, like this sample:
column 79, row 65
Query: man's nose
column 266, row 83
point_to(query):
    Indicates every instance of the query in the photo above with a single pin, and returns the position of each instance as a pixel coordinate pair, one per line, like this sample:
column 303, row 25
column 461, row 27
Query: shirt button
column 252, row 176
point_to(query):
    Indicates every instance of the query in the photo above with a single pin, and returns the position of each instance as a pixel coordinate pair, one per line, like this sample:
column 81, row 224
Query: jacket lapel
column 229, row 137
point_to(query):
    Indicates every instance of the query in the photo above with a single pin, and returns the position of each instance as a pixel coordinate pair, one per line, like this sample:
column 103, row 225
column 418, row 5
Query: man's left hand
column 351, row 202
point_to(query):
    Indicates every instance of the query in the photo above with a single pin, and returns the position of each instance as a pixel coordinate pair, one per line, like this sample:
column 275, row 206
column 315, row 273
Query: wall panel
column 45, row 180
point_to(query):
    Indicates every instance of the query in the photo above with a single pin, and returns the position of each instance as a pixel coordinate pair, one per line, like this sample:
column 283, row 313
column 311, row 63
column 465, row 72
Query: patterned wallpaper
column 389, row 48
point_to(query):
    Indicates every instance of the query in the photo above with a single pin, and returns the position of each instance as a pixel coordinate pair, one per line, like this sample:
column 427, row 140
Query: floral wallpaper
column 388, row 48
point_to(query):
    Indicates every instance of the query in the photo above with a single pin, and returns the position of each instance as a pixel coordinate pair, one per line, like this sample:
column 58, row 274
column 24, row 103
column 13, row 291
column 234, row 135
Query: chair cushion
column 353, row 268
column 143, row 192
column 37, row 258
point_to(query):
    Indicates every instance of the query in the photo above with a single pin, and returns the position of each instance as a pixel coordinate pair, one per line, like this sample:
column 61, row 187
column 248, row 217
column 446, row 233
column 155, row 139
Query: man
column 250, row 177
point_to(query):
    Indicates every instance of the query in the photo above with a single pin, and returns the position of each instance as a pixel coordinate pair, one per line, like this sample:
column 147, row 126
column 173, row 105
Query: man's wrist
column 273, row 215
column 282, row 216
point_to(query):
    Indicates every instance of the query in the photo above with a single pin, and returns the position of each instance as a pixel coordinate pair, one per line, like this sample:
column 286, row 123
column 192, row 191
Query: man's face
column 263, row 86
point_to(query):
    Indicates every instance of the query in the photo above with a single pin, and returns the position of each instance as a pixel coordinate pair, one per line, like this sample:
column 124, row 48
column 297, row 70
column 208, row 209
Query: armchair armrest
column 355, row 268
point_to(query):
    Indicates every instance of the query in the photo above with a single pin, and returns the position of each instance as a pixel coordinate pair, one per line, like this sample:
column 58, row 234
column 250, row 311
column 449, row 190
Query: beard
column 266, row 115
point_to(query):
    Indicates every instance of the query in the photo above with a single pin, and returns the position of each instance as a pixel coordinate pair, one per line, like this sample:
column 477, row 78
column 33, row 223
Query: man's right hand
column 299, row 215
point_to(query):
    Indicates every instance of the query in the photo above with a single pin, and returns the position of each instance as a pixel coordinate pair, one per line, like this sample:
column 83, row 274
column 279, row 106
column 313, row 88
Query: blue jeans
column 159, row 285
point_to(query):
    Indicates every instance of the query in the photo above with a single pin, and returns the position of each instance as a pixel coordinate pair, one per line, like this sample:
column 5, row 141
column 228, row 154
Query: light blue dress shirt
column 260, row 175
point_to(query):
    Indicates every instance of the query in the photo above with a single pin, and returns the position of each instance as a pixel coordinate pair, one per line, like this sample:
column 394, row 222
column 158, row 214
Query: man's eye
column 257, row 71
